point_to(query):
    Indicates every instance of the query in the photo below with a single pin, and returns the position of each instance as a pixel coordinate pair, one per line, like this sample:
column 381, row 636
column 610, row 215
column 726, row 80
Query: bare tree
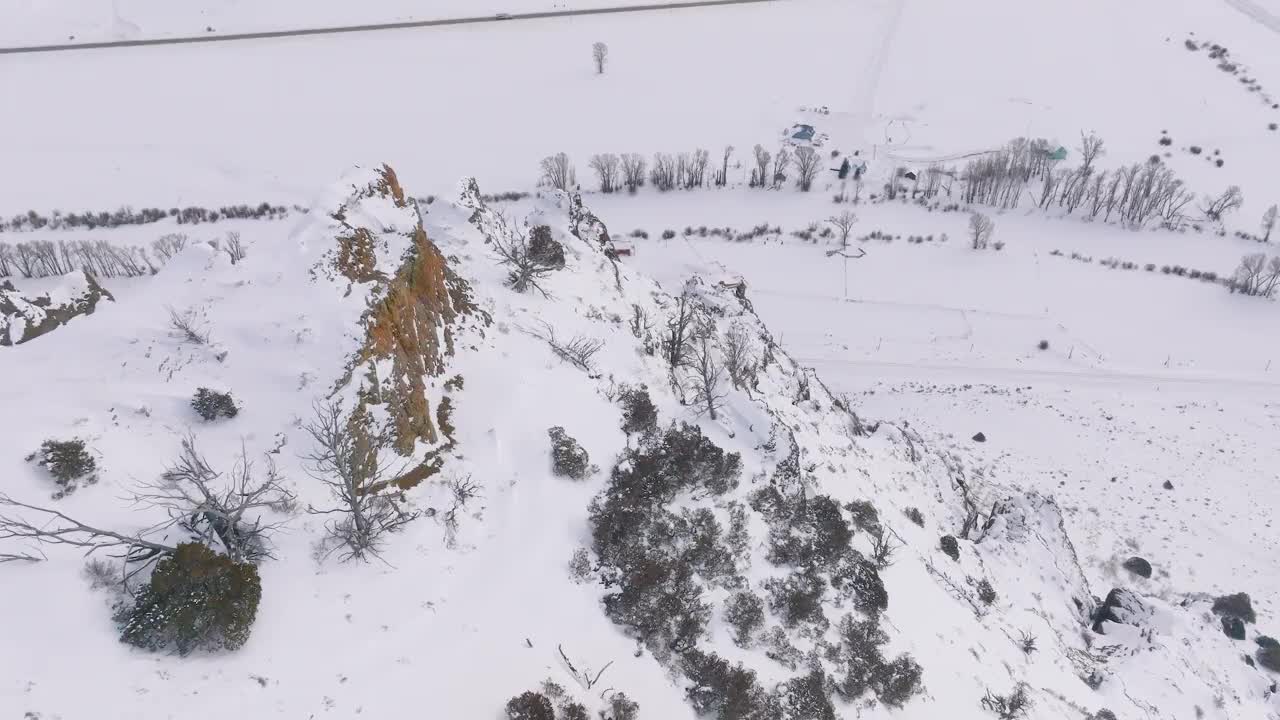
column 6, row 259
column 348, row 463
column 600, row 55
column 663, row 174
column 55, row 528
column 233, row 247
column 578, row 351
column 1256, row 276
column 680, row 326
column 516, row 252
column 843, row 223
column 1230, row 199
column 722, row 178
column 217, row 511
column 808, row 163
column 739, row 360
column 1090, row 149
column 707, row 373
column 1268, row 223
column 980, row 229
column 607, row 169
column 187, row 327
column 558, row 172
column 781, row 162
column 633, row 167
column 760, row 175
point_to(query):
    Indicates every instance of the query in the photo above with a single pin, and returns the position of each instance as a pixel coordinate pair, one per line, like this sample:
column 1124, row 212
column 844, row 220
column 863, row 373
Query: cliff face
column 23, row 319
column 416, row 310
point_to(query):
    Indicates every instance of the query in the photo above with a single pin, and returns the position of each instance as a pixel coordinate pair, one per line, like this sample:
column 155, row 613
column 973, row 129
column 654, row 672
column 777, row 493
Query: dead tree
column 633, row 167
column 722, row 178
column 980, row 229
column 1268, row 223
column 680, row 327
column 843, row 223
column 55, row 528
column 706, row 372
column 187, row 327
column 220, row 511
column 348, row 462
column 578, row 351
column 558, row 172
column 739, row 360
column 607, row 168
column 599, row 55
column 808, row 163
column 1230, row 199
column 526, row 266
column 760, row 175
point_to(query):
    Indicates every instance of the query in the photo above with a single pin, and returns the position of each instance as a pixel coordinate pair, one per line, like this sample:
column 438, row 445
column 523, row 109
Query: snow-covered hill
column 512, row 575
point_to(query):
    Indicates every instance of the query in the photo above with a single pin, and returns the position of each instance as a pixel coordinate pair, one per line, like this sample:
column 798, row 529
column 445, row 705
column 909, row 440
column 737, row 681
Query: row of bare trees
column 770, row 170
column 683, row 171
column 46, row 258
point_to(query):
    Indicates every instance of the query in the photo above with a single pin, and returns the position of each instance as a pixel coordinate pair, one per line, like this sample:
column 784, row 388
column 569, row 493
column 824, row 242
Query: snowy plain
column 1147, row 378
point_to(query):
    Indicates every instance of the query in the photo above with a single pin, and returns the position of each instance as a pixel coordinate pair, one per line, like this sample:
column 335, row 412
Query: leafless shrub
column 1091, row 148
column 348, row 463
column 186, row 326
column 233, row 247
column 218, row 511
column 1007, row 707
column 558, row 172
column 1230, row 200
column 882, row 547
column 578, row 351
column 607, row 168
column 168, row 245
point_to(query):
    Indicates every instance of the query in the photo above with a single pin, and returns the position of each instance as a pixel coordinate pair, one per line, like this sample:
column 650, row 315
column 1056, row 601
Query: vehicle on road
column 502, row 16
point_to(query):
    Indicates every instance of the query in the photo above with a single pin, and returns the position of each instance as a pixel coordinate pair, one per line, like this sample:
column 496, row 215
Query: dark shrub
column 638, row 413
column 744, row 612
column 622, row 707
column 545, row 250
column 668, row 234
column 915, row 516
column 1266, row 642
column 196, row 600
column 1138, row 566
column 209, row 404
column 806, row 697
column 950, row 547
column 859, row 655
column 798, row 598
column 816, row 536
column 703, row 543
column 986, row 593
column 1269, row 658
column 863, row 515
column 858, row 578
column 898, row 681
column 530, row 706
column 1044, row 345
column 720, row 690
column 1007, row 707
column 66, row 460
column 1233, row 627
column 568, row 459
column 574, row 711
column 1104, row 714
column 1238, row 605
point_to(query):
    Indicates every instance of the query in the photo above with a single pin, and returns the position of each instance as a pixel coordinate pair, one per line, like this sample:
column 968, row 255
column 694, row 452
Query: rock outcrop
column 23, row 319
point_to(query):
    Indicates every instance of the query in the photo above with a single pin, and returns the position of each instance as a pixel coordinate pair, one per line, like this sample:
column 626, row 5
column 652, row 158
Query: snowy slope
column 492, row 597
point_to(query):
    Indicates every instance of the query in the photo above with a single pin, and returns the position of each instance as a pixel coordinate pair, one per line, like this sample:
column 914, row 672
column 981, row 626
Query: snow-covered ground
column 1147, row 378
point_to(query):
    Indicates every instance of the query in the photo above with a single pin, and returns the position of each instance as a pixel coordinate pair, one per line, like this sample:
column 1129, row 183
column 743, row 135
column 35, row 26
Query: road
column 233, row 37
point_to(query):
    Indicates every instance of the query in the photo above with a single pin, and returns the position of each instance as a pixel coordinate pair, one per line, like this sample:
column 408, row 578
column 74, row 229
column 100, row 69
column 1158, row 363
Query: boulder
column 1123, row 607
column 980, row 438
column 23, row 319
column 1138, row 566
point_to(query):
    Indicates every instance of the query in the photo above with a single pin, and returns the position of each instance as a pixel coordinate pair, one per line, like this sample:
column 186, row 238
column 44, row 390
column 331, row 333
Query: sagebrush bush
column 898, row 681
column 804, row 534
column 806, row 697
column 858, row 579
column 639, row 416
column 915, row 516
column 530, row 706
column 986, row 593
column 210, row 404
column 1238, row 605
column 718, row 689
column 196, row 600
column 544, row 249
column 668, row 234
column 744, row 612
column 1269, row 658
column 568, row 458
column 66, row 460
column 950, row 547
column 798, row 599
column 622, row 707
column 864, row 515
